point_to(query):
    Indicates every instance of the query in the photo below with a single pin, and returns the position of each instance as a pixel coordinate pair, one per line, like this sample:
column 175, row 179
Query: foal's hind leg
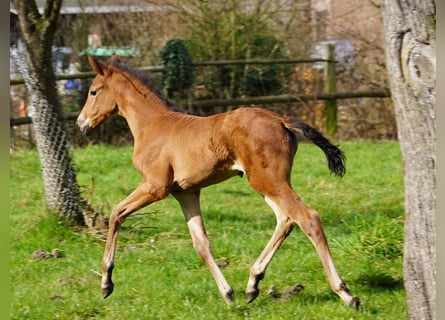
column 189, row 202
column 283, row 229
column 290, row 210
column 309, row 221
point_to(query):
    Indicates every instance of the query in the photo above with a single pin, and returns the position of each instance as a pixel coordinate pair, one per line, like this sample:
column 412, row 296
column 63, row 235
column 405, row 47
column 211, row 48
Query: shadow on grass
column 237, row 192
column 381, row 281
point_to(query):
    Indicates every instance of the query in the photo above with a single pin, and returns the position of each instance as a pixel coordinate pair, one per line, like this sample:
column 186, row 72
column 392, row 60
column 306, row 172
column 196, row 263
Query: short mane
column 150, row 83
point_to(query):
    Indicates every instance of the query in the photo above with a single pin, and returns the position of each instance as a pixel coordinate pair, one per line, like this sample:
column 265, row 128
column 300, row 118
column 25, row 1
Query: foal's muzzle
column 84, row 124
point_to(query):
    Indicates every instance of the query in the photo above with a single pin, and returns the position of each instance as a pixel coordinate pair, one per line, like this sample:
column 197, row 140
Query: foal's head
column 101, row 102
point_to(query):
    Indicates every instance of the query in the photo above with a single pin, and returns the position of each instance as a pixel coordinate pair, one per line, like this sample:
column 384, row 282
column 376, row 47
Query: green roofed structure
column 108, row 51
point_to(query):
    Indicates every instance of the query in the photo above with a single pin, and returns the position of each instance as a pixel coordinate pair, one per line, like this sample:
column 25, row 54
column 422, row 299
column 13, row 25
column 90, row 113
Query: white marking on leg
column 272, row 204
column 190, row 206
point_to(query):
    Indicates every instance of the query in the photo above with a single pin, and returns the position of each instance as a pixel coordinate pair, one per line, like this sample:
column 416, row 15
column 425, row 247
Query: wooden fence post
column 330, row 86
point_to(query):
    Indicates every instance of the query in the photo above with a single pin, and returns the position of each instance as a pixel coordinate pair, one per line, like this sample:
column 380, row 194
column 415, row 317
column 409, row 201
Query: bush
column 178, row 74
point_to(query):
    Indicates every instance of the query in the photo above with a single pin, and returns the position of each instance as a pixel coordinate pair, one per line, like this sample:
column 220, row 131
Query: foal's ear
column 97, row 66
column 114, row 58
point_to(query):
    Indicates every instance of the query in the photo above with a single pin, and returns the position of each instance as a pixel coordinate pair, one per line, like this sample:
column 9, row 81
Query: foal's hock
column 177, row 153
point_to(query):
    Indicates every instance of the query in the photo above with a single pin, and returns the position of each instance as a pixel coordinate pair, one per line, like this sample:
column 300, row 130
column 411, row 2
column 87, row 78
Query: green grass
column 158, row 275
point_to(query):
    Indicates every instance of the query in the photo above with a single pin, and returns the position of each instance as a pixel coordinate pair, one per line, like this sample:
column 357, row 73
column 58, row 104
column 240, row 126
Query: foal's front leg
column 189, row 202
column 141, row 197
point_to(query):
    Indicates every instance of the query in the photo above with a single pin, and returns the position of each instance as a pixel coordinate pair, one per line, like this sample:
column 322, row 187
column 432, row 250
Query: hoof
column 251, row 295
column 107, row 290
column 229, row 297
column 355, row 303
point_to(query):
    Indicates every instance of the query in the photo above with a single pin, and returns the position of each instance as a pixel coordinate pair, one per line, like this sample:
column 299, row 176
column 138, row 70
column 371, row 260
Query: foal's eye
column 93, row 92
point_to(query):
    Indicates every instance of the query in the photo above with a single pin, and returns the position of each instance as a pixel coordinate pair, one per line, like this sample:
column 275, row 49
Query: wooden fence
column 330, row 96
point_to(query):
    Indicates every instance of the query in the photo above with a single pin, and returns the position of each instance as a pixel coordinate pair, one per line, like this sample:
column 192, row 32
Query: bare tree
column 61, row 188
column 410, row 34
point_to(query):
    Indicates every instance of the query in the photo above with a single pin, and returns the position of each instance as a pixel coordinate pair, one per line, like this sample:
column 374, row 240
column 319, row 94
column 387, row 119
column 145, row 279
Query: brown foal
column 177, row 153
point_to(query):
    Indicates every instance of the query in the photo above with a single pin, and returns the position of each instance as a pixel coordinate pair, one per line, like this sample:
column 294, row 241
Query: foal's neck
column 137, row 104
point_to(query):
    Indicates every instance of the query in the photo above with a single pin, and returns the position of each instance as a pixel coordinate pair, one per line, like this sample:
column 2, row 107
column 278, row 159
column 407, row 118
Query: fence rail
column 250, row 101
column 330, row 96
column 91, row 74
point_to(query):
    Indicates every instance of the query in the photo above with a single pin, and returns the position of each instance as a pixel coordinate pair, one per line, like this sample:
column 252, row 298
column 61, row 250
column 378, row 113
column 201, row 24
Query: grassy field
column 158, row 275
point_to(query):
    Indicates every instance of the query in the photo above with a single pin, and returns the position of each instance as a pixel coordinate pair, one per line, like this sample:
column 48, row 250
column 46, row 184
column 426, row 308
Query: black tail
column 335, row 156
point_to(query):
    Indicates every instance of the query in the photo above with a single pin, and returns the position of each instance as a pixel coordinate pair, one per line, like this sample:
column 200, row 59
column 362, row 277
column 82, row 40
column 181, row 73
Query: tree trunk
column 61, row 190
column 411, row 62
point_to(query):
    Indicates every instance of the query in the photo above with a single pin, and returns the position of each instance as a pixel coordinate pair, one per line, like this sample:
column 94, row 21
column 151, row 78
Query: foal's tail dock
column 335, row 156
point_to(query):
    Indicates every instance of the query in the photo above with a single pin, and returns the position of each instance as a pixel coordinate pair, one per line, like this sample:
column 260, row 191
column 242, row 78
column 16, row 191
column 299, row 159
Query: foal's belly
column 194, row 182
